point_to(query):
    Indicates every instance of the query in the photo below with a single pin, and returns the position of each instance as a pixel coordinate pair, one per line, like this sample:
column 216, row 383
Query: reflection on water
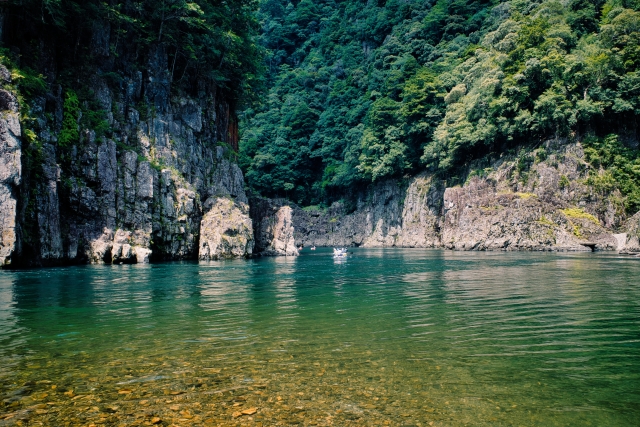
column 384, row 337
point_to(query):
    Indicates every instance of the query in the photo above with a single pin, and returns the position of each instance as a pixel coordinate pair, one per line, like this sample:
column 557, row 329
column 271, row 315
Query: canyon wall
column 164, row 185
column 548, row 205
column 10, row 167
column 137, row 195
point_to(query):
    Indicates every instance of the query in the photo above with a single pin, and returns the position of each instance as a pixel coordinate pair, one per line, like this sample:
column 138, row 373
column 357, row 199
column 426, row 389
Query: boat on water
column 339, row 252
column 313, row 248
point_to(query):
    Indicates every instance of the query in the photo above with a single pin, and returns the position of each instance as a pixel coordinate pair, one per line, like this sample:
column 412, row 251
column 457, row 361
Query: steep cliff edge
column 273, row 227
column 10, row 167
column 630, row 240
column 141, row 190
column 528, row 202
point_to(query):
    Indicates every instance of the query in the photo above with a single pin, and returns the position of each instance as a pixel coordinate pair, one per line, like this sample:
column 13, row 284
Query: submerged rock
column 226, row 231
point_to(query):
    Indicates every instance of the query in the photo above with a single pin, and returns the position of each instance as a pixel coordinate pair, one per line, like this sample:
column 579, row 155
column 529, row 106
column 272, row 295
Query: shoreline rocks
column 226, row 231
column 501, row 208
column 273, row 228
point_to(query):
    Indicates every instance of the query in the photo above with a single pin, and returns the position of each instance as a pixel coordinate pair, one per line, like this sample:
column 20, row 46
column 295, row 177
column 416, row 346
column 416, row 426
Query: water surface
column 399, row 337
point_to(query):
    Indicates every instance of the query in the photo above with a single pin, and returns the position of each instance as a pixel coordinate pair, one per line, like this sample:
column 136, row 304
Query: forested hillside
column 363, row 91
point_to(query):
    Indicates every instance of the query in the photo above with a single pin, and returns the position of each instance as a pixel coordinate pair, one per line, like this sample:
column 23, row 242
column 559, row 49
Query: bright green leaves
column 615, row 166
column 81, row 112
column 622, row 33
column 302, row 122
column 382, row 147
column 29, row 82
column 537, row 80
column 553, row 112
column 376, row 90
column 69, row 134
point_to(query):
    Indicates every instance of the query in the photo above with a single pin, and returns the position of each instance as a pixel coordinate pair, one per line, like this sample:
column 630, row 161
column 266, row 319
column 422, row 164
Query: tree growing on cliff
column 205, row 40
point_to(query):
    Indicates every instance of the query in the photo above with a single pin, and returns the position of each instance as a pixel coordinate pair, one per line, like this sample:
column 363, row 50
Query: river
column 387, row 337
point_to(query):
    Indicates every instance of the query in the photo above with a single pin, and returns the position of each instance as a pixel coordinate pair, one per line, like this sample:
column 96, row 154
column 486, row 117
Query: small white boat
column 313, row 248
column 339, row 252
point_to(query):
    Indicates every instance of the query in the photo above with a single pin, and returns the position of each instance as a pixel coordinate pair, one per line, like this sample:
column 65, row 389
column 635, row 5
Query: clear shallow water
column 388, row 337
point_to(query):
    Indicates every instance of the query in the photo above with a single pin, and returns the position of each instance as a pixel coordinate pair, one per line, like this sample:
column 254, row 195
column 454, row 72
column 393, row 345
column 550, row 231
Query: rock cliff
column 163, row 184
column 547, row 205
column 146, row 190
column 273, row 227
column 226, row 231
column 10, row 168
column 630, row 240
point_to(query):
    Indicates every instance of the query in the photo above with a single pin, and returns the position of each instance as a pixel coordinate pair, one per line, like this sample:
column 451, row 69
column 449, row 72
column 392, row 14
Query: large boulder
column 631, row 239
column 226, row 231
column 274, row 231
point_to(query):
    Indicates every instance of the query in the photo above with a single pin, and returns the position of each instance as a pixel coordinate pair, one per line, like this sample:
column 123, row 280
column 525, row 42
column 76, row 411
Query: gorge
column 168, row 168
column 109, row 157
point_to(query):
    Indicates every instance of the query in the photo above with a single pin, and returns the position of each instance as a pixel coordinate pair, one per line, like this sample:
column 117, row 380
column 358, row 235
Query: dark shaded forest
column 214, row 41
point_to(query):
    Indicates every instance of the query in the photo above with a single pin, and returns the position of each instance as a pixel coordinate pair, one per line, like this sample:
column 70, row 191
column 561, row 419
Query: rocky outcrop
column 226, row 231
column 421, row 223
column 273, row 228
column 118, row 248
column 391, row 215
column 10, row 169
column 133, row 194
column 630, row 240
column 545, row 206
column 478, row 217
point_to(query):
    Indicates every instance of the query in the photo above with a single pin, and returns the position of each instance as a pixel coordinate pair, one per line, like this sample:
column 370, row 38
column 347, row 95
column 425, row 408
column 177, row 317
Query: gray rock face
column 226, row 231
column 10, row 170
column 421, row 213
column 389, row 216
column 631, row 239
column 273, row 225
column 548, row 207
column 133, row 197
column 48, row 207
column 477, row 217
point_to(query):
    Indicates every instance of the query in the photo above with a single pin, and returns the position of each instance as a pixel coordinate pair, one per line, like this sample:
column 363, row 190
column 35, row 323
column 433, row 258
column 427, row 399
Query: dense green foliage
column 210, row 41
column 362, row 91
column 615, row 167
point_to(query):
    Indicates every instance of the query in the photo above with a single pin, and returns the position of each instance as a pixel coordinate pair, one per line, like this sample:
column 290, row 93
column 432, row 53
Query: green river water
column 387, row 337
